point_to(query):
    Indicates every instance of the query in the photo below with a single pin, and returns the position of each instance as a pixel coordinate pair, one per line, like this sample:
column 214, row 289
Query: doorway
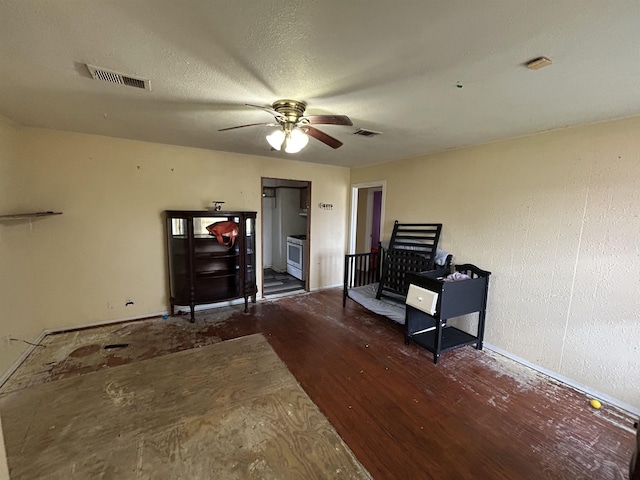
column 285, row 236
column 367, row 216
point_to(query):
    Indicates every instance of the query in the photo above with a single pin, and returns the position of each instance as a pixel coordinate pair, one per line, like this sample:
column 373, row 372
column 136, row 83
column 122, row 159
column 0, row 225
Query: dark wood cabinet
column 203, row 271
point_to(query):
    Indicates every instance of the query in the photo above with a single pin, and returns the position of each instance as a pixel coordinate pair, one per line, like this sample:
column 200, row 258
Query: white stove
column 296, row 246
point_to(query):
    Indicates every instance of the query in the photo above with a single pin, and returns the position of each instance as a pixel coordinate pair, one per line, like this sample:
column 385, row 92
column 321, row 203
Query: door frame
column 369, row 221
column 353, row 223
column 286, row 183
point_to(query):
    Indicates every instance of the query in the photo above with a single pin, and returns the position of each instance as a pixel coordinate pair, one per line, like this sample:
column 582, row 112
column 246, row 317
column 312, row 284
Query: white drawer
column 422, row 299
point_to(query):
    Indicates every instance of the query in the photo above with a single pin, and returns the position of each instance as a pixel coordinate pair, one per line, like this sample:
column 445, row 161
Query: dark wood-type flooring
column 476, row 415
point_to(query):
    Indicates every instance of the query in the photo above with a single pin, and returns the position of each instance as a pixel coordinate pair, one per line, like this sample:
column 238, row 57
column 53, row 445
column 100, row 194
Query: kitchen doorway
column 285, row 236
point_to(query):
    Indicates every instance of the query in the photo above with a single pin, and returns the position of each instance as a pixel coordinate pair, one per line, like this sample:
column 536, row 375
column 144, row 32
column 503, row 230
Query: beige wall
column 108, row 246
column 8, row 133
column 556, row 218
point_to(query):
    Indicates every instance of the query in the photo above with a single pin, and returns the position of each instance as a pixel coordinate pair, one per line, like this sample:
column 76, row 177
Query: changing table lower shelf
column 435, row 335
column 451, row 339
column 432, row 301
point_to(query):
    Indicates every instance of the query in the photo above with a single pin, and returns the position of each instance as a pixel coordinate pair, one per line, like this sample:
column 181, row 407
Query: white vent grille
column 367, row 133
column 115, row 77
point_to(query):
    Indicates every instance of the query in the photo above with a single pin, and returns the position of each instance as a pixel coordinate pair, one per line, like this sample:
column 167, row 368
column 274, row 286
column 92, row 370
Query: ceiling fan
column 295, row 126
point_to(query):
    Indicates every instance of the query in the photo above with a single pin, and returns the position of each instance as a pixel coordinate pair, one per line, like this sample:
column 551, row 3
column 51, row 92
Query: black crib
column 412, row 248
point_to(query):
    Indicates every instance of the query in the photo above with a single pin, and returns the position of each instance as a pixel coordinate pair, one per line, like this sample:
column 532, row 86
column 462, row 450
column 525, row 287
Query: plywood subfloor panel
column 230, row 410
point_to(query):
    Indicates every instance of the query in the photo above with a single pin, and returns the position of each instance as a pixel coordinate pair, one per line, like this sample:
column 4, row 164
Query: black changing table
column 428, row 326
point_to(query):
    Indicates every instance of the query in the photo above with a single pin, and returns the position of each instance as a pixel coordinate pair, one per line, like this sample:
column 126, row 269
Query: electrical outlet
column 110, row 304
column 6, row 341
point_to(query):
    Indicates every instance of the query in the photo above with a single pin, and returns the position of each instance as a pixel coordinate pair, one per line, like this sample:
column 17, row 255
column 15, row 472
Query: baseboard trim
column 317, row 289
column 7, row 374
column 603, row 397
column 209, row 306
column 102, row 323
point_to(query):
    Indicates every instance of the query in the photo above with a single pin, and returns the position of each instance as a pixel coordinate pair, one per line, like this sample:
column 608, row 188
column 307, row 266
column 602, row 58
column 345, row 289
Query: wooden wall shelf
column 19, row 216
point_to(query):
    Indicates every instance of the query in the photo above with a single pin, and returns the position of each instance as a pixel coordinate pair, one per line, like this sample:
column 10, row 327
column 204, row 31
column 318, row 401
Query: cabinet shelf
column 216, row 274
column 19, row 216
column 214, row 255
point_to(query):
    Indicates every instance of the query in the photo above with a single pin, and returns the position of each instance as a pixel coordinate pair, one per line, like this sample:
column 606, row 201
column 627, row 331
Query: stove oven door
column 295, row 260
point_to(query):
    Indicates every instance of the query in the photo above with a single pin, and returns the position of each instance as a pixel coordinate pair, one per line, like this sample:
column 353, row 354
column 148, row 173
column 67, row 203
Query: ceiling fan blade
column 323, row 137
column 329, row 120
column 266, row 109
column 242, row 126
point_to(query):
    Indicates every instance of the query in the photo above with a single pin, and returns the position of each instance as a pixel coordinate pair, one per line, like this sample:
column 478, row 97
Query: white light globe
column 297, row 141
column 275, row 139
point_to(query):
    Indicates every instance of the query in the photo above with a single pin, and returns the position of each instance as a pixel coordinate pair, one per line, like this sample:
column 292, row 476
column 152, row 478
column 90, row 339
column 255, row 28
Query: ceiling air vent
column 115, row 77
column 367, row 133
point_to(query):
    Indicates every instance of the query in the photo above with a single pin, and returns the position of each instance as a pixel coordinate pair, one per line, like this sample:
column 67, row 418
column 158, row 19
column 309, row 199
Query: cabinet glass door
column 178, row 244
column 250, row 242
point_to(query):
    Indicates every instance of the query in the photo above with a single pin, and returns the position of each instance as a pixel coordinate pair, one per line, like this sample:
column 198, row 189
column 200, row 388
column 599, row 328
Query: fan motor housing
column 291, row 109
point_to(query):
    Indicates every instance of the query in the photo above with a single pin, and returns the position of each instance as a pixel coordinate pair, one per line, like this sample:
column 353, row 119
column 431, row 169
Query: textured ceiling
column 393, row 67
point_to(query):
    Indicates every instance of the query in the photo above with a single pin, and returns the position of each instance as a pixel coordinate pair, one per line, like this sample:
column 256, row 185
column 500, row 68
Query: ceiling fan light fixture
column 296, row 127
column 297, row 141
column 292, row 141
column 276, row 139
